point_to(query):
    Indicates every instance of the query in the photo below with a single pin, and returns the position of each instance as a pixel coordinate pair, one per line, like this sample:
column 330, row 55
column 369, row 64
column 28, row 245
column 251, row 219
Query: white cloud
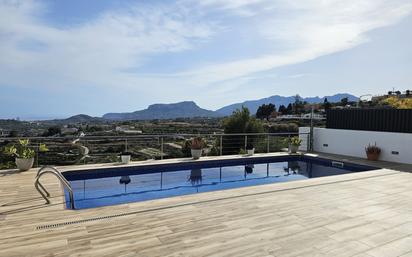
column 96, row 52
column 306, row 29
column 104, row 51
column 239, row 7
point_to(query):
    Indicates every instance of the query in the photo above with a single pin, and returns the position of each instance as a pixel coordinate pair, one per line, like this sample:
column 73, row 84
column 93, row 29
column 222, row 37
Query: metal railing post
column 245, row 142
column 37, row 154
column 289, row 151
column 221, row 145
column 84, row 159
column 161, row 148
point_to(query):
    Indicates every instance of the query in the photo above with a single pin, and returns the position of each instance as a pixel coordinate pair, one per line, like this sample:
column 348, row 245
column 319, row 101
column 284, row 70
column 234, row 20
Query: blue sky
column 60, row 58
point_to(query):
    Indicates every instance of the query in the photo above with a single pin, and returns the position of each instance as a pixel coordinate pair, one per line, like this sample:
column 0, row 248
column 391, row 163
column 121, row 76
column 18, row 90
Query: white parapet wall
column 396, row 147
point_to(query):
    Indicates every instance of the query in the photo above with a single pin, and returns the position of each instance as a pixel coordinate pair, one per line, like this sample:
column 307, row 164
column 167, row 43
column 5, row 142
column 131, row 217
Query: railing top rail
column 159, row 135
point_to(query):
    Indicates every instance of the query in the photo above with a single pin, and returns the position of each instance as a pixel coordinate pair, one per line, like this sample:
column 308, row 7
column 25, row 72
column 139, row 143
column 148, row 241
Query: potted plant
column 24, row 154
column 294, row 144
column 125, row 157
column 372, row 152
column 250, row 149
column 196, row 147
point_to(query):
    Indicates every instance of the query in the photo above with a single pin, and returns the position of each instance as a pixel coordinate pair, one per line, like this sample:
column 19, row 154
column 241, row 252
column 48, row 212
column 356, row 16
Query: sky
column 61, row 58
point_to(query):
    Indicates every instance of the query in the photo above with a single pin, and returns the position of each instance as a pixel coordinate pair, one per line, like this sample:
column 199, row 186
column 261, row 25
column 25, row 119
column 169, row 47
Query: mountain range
column 189, row 109
column 278, row 100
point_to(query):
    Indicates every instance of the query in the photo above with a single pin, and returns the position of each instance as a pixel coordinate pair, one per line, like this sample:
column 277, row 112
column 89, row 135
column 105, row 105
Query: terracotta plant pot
column 24, row 164
column 196, row 153
column 372, row 156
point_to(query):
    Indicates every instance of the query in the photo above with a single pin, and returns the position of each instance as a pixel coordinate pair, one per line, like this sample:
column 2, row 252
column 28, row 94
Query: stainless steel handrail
column 87, row 137
column 43, row 192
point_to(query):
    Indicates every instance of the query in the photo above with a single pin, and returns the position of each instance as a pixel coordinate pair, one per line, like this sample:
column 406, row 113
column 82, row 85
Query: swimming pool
column 117, row 185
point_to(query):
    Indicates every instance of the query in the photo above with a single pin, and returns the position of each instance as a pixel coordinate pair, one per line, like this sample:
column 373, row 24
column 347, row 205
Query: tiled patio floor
column 359, row 214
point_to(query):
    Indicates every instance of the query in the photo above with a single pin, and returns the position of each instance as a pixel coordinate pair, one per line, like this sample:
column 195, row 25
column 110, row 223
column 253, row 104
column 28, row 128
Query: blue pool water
column 111, row 186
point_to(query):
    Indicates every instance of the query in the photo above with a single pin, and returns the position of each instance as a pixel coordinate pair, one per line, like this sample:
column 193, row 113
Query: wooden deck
column 360, row 214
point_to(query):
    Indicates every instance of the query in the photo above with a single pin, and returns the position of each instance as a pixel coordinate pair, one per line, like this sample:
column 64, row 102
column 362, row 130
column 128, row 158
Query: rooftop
column 357, row 214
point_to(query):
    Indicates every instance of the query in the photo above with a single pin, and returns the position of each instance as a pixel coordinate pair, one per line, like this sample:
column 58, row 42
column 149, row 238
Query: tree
column 283, row 127
column 92, row 129
column 398, row 103
column 289, row 109
column 239, row 122
column 298, row 105
column 326, row 104
column 52, row 131
column 282, row 109
column 265, row 110
column 344, row 101
column 14, row 133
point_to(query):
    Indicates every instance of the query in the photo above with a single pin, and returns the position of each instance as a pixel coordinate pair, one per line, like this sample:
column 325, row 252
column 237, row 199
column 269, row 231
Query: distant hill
column 187, row 109
column 281, row 100
column 80, row 118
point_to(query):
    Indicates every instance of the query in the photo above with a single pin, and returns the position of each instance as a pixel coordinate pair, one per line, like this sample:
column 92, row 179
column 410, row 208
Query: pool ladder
column 43, row 192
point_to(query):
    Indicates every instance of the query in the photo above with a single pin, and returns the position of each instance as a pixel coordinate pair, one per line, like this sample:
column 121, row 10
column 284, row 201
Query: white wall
column 353, row 143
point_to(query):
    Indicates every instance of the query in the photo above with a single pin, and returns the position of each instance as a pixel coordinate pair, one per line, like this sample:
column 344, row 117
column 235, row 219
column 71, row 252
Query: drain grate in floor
column 56, row 225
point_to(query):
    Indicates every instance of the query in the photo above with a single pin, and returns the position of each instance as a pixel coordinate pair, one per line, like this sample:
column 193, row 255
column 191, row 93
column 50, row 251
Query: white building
column 4, row 133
